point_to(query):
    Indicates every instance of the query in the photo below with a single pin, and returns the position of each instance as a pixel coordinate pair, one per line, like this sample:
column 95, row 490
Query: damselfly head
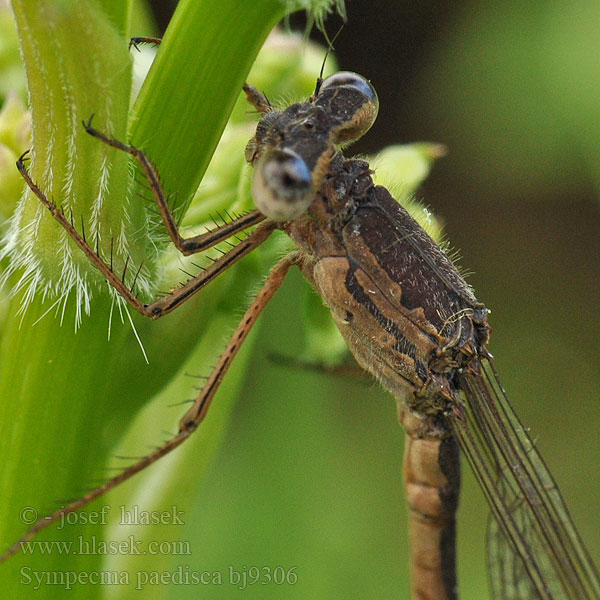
column 352, row 103
column 282, row 185
column 291, row 148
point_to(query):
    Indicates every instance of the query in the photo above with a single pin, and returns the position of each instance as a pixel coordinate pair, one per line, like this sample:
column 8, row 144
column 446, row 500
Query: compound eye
column 352, row 101
column 282, row 185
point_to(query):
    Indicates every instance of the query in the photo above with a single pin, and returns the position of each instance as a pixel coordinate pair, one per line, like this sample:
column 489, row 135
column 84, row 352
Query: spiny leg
column 135, row 41
column 186, row 246
column 257, row 99
column 167, row 303
column 193, row 417
column 172, row 300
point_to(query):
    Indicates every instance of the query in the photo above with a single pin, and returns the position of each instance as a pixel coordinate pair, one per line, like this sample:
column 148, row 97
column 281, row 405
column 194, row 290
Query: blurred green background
column 309, row 475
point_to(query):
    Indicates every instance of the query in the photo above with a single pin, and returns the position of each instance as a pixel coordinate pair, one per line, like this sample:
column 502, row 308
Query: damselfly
column 408, row 318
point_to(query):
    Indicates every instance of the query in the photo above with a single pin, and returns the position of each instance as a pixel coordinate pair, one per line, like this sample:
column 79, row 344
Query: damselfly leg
column 187, row 246
column 193, row 417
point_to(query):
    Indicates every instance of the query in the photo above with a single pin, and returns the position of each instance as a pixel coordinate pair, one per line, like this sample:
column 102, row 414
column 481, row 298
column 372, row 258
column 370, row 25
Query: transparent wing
column 534, row 549
column 506, row 570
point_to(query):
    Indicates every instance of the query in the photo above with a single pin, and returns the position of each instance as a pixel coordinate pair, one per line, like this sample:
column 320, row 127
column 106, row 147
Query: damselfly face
column 291, row 149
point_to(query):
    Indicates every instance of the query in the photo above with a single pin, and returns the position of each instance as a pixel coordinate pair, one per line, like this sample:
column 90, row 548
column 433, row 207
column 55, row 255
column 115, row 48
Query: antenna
column 329, row 49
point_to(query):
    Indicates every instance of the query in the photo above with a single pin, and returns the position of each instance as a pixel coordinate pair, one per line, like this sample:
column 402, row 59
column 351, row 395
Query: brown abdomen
column 432, row 481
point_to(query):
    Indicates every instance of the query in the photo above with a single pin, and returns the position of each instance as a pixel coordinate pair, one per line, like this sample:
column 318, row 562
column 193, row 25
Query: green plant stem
column 203, row 61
